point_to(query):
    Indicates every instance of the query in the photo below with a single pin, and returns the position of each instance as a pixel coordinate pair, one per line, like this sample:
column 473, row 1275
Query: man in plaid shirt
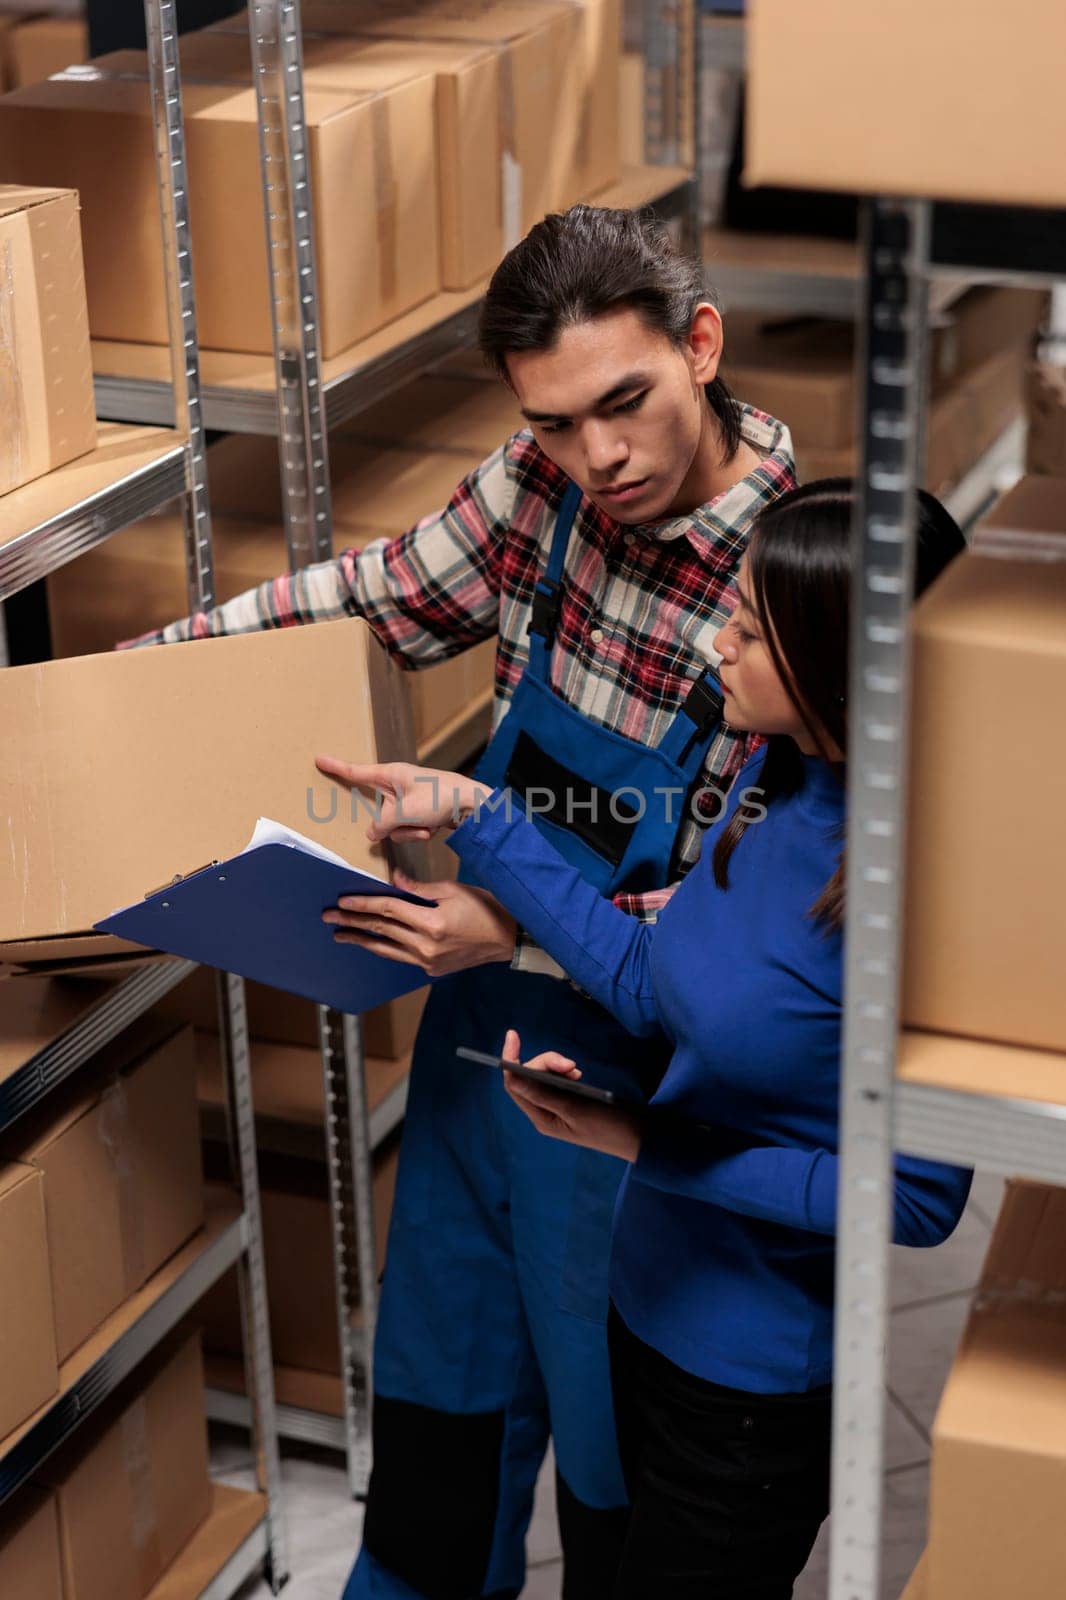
column 491, row 1334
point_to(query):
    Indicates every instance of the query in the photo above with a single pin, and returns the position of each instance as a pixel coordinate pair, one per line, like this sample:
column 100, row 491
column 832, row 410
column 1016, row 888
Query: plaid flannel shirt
column 640, row 605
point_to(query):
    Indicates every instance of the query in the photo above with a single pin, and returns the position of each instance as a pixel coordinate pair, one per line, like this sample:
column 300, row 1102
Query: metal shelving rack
column 157, row 466
column 907, row 246
column 298, row 402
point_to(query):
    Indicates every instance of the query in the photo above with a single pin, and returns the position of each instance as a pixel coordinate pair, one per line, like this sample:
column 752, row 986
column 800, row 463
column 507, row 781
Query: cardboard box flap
column 14, row 197
column 1007, row 604
column 125, row 768
column 329, row 63
column 1028, row 523
column 37, row 1011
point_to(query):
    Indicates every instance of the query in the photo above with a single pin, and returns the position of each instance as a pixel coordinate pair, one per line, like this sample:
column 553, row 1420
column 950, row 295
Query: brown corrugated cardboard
column 136, row 581
column 375, row 219
column 47, row 413
column 132, row 1488
column 298, row 1244
column 999, row 1438
column 37, row 1012
column 467, row 142
column 974, row 1066
column 986, row 874
column 963, row 423
column 29, row 1548
column 287, row 1083
column 232, row 1516
column 120, row 1161
column 1029, row 519
column 917, row 1588
column 388, row 1031
column 540, row 44
column 44, row 45
column 1045, row 403
column 115, row 776
column 442, row 413
column 923, row 85
column 631, row 108
column 29, row 1374
column 979, row 324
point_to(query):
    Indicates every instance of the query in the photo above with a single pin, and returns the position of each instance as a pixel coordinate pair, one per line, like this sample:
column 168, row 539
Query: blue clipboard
column 260, row 915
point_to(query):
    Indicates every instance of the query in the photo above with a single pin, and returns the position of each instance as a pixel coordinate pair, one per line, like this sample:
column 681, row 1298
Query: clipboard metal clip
column 179, row 877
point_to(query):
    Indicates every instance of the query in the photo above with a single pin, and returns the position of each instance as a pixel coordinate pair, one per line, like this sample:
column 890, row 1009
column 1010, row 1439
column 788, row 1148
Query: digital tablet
column 554, row 1082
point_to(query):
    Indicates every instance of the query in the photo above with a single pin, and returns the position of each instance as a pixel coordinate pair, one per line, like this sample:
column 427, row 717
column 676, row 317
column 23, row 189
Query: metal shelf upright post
column 156, row 472
column 908, row 246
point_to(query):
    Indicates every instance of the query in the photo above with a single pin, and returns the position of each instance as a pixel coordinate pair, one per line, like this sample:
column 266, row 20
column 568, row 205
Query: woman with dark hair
column 722, row 1261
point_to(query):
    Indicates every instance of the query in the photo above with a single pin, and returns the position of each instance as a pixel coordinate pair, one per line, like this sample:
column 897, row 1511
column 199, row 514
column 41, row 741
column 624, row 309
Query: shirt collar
column 725, row 519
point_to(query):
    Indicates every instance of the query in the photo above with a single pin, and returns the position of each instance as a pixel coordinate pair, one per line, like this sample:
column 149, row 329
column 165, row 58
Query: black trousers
column 728, row 1489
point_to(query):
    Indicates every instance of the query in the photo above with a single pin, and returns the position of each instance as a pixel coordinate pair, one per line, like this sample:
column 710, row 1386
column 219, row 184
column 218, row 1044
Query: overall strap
column 547, row 596
column 697, row 719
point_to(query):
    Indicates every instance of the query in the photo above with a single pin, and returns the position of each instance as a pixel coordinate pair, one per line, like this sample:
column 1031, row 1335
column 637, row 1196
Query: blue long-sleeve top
column 722, row 1253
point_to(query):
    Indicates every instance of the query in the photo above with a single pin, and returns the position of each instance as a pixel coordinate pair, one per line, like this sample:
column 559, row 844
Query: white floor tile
column 903, row 1539
column 542, row 1541
column 952, row 1266
column 921, row 1347
column 905, row 1446
column 544, row 1583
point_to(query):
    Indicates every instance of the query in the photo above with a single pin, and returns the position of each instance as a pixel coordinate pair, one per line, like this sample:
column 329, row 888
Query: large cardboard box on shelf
column 541, row 46
column 1029, row 519
column 899, row 103
column 986, row 873
column 47, row 412
column 30, row 1567
column 375, row 201
column 29, row 1371
column 125, row 768
column 917, row 1587
column 43, row 45
column 132, row 1487
column 298, row 1245
column 1045, row 405
column 388, row 1031
column 467, row 143
column 963, row 422
column 120, row 1160
column 999, row 1438
column 802, row 369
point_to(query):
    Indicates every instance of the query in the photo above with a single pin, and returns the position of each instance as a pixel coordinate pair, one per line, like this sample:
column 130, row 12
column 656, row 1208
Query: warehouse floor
column 930, row 1302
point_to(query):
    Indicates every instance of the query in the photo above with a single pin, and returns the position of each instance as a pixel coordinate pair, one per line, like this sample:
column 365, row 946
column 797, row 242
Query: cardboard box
column 132, row 1487
column 467, row 133
column 47, row 412
column 986, row 873
column 541, row 49
column 29, row 1548
column 963, row 423
column 29, row 1373
column 287, row 1088
column 122, row 769
column 802, row 369
column 1045, row 403
column 999, row 1438
column 136, row 582
column 298, row 1246
column 120, row 1160
column 917, row 1588
column 1029, row 519
column 840, row 123
column 44, row 45
column 375, row 201
column 441, row 413
column 631, row 108
column 388, row 1031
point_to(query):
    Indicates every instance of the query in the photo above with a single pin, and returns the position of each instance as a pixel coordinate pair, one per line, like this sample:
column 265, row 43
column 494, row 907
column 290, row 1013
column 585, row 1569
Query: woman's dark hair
column 579, row 264
column 799, row 575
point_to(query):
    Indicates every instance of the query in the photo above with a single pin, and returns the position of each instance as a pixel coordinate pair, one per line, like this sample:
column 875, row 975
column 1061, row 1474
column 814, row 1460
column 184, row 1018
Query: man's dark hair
column 579, row 264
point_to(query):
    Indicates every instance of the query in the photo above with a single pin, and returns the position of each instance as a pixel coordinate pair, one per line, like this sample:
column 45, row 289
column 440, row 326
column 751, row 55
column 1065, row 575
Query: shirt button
column 629, row 538
column 596, row 635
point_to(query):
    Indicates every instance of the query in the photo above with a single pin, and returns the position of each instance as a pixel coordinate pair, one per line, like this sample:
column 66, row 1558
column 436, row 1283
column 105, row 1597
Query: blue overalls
column 491, row 1332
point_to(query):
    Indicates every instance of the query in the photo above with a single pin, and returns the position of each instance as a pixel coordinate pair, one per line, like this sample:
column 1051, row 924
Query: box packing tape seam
column 115, row 1136
column 137, row 1460
column 12, row 403
column 1018, row 544
column 385, row 208
column 510, row 166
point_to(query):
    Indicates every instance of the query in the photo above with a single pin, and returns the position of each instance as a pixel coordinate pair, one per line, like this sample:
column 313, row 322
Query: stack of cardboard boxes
column 32, row 47
column 437, row 134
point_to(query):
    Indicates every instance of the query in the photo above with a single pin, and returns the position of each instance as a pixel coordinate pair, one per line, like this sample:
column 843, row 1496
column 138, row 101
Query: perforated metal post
column 168, row 125
column 895, row 315
column 169, row 129
column 288, row 203
column 671, row 89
